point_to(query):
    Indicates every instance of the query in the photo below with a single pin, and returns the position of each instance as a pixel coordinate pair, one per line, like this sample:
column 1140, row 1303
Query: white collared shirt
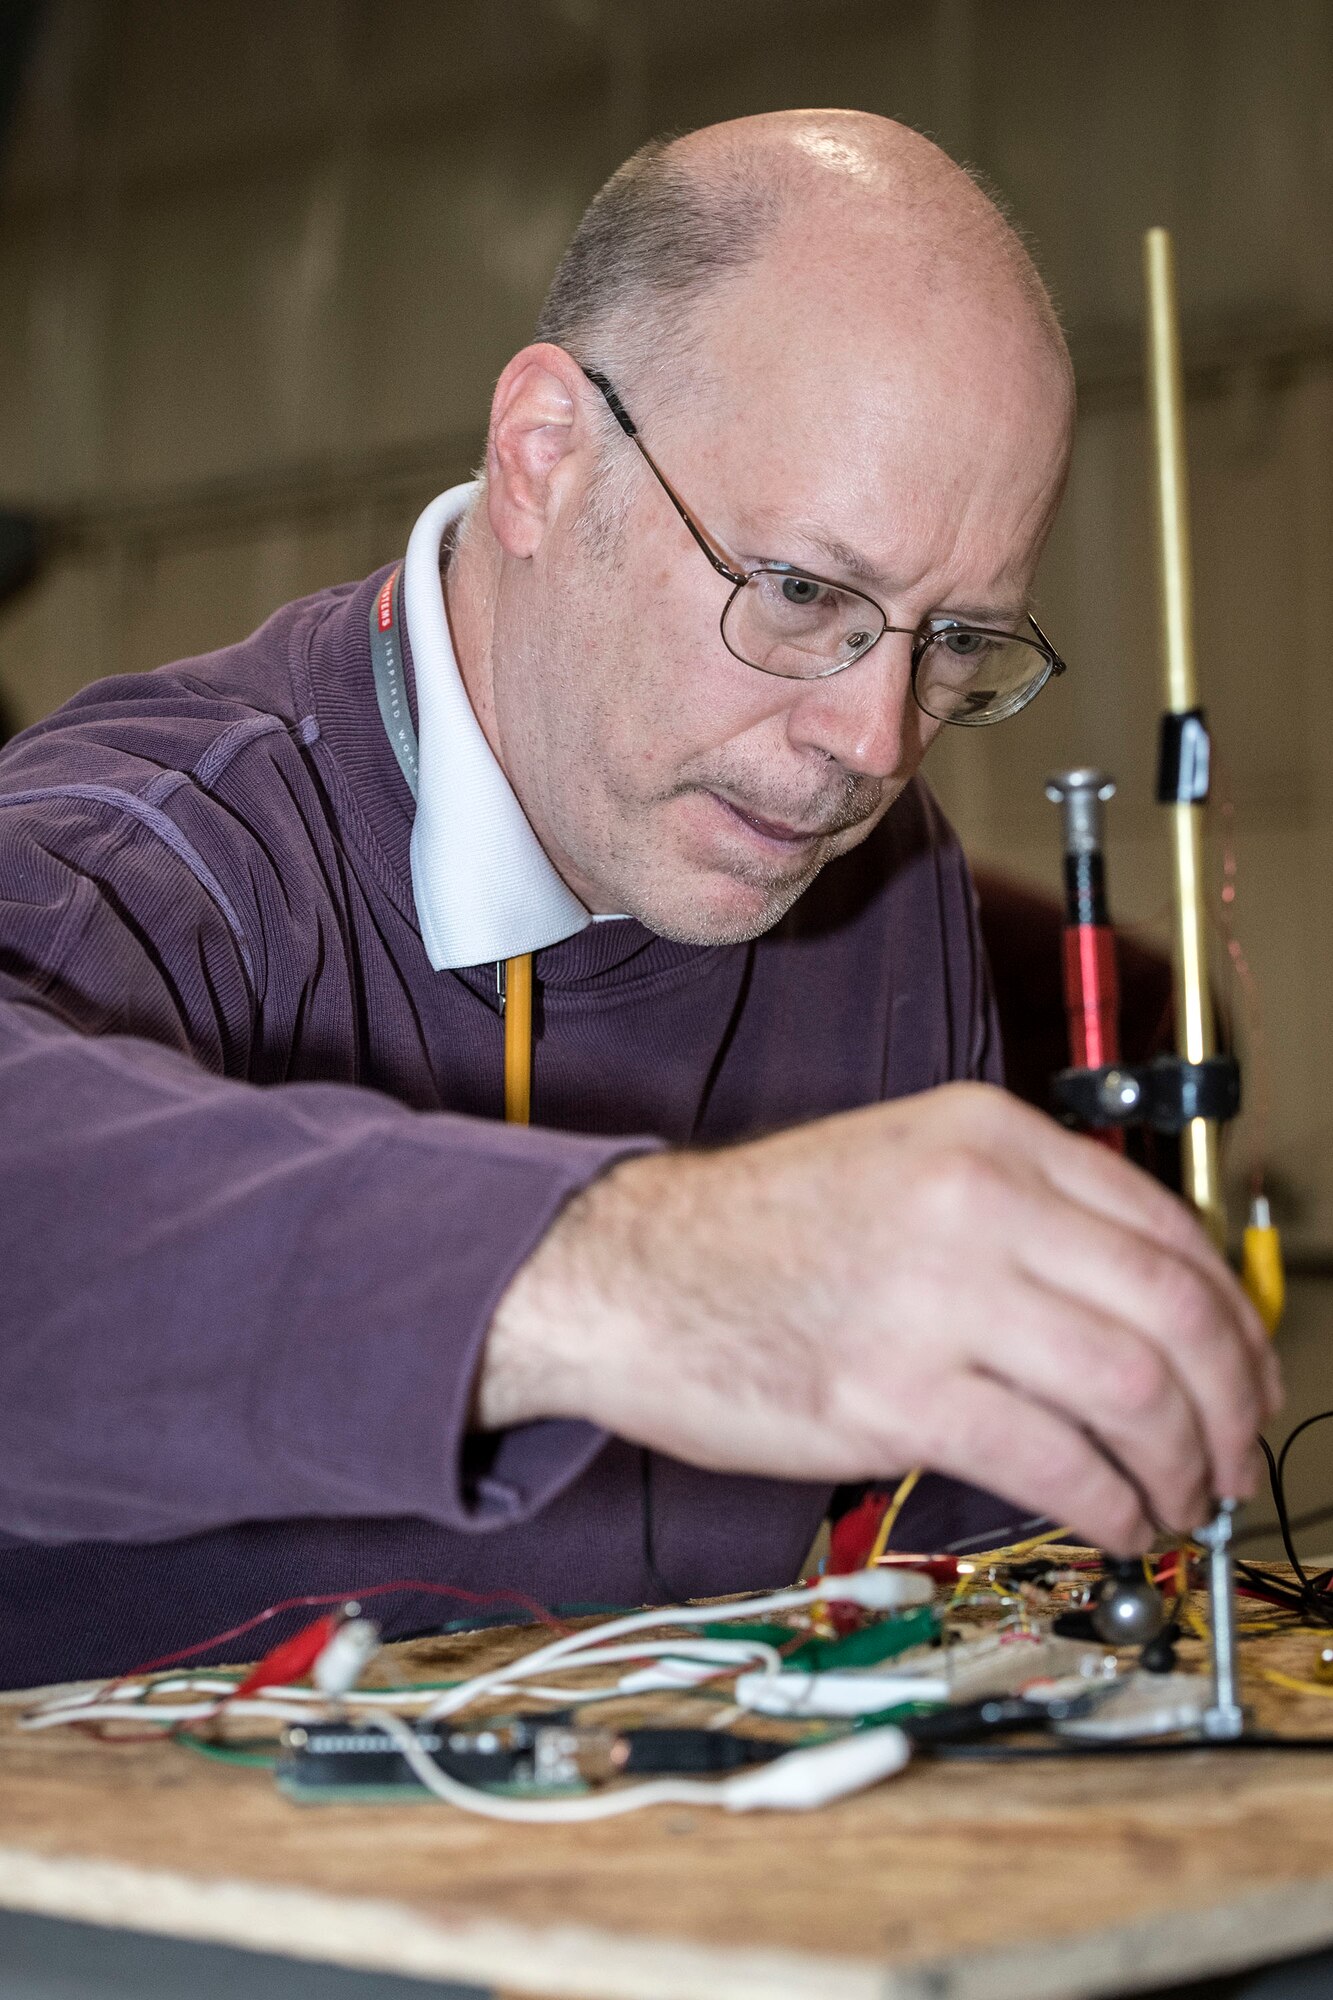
column 483, row 885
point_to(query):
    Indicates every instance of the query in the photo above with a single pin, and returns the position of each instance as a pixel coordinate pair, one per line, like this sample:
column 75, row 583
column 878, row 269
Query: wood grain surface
column 994, row 1882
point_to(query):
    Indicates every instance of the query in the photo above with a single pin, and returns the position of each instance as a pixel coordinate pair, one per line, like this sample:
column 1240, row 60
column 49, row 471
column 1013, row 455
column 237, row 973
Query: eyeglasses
column 788, row 621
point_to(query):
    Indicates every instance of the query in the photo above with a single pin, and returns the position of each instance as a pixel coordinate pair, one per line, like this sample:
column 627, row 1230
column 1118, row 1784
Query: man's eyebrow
column 1008, row 617
column 852, row 563
column 844, row 557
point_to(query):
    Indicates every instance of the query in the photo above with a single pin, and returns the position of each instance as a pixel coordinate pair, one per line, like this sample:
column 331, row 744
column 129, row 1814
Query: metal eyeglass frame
column 921, row 641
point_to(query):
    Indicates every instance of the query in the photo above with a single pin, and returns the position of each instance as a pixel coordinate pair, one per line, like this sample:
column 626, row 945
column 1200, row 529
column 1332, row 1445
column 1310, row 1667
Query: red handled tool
column 1091, row 979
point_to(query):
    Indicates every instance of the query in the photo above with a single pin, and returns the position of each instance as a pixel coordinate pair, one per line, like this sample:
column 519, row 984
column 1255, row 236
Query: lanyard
column 386, row 654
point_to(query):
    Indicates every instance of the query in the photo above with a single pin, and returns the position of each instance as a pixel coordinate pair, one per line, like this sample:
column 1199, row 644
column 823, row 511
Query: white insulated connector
column 346, row 1657
column 805, row 1779
column 886, row 1589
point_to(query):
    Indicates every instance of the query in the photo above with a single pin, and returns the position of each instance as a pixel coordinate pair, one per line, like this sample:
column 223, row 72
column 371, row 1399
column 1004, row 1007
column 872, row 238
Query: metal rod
column 1195, row 1035
column 1225, row 1717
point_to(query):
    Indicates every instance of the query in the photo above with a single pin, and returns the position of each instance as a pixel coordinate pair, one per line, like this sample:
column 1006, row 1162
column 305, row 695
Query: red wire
column 516, row 1597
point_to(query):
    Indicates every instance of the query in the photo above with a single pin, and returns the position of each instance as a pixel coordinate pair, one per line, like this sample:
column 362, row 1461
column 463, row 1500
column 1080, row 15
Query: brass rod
column 1195, row 1033
column 518, row 1039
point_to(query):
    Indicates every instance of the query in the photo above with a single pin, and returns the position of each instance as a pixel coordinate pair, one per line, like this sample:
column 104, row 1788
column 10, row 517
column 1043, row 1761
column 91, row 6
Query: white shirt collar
column 483, row 885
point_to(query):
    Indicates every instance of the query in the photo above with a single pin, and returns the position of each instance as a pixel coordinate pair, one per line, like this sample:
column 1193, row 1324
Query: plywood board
column 997, row 1882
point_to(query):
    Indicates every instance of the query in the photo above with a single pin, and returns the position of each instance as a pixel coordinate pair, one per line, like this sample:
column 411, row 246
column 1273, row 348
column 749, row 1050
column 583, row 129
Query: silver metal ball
column 1129, row 1612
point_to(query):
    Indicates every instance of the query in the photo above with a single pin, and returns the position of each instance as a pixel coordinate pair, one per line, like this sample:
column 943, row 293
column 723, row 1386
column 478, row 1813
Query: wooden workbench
column 994, row 1882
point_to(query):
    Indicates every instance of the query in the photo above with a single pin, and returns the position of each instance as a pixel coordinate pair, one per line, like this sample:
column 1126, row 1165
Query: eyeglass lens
column 795, row 625
column 801, row 628
column 972, row 676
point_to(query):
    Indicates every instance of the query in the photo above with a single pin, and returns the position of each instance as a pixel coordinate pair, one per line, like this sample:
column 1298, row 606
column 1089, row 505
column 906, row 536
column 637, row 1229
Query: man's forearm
column 265, row 1310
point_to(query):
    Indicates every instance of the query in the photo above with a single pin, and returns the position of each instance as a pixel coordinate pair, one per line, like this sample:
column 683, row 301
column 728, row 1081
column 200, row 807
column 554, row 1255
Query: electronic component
column 332, row 1759
column 996, row 1664
column 1143, row 1705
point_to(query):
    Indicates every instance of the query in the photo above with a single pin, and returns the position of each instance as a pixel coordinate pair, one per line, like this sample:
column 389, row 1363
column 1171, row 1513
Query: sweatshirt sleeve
column 221, row 1302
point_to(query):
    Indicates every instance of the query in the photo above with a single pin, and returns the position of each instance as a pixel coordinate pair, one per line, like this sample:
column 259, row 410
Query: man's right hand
column 948, row 1280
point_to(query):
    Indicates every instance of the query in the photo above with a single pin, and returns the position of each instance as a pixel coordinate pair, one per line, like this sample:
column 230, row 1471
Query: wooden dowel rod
column 1195, row 1034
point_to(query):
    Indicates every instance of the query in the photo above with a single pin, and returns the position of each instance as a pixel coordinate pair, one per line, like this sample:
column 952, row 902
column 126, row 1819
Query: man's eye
column 800, row 589
column 964, row 645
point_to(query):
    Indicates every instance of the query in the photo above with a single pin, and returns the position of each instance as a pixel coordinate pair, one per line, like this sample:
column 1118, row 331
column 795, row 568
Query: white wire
column 719, row 1655
column 168, row 1712
column 574, row 1644
column 178, row 1684
column 538, row 1812
column 128, row 1691
column 115, row 1704
column 721, row 1652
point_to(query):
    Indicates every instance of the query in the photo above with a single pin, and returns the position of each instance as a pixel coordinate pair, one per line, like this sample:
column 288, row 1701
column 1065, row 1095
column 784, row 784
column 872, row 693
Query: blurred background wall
column 261, row 260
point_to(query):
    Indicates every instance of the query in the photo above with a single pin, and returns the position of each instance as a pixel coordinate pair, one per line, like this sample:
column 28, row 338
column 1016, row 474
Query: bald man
column 761, row 512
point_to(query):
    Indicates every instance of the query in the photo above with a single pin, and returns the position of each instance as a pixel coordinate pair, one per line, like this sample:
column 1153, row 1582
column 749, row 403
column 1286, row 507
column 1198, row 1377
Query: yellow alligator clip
column 1261, row 1270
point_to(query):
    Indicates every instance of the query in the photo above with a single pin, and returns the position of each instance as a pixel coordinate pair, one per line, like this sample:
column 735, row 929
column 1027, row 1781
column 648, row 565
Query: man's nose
column 864, row 717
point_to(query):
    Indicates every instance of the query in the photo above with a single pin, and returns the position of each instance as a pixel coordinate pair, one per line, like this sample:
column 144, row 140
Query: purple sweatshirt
column 258, row 1203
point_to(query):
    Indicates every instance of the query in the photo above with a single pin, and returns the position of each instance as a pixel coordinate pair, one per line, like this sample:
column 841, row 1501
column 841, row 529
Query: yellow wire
column 1015, row 1551
column 891, row 1513
column 1293, row 1683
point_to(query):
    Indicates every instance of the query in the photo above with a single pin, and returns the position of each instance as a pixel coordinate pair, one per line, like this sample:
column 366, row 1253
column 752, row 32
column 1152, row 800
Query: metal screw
column 1119, row 1091
column 1081, row 795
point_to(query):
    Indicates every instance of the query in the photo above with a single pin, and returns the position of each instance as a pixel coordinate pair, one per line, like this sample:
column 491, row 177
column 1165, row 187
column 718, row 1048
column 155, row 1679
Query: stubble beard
column 857, row 804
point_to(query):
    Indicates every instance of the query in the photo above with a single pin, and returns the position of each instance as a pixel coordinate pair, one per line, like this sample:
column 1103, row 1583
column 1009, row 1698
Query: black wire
column 1006, row 1753
column 1311, row 1593
column 1276, row 1482
column 1275, row 1590
column 1320, row 1417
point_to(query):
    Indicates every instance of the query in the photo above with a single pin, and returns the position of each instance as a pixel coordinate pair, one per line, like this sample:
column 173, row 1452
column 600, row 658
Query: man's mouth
column 776, row 831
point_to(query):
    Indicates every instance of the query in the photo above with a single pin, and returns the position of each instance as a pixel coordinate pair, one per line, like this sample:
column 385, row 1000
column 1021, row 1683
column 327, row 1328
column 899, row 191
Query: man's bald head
column 845, row 363
column 682, row 218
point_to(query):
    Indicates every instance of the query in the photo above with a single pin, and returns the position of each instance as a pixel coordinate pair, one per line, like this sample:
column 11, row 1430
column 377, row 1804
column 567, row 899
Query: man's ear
column 538, row 428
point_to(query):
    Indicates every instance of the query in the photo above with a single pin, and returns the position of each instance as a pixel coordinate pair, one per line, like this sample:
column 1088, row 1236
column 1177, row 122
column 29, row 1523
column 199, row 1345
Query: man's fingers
column 1190, row 1339
column 1106, row 1185
column 1001, row 1439
column 1105, row 1377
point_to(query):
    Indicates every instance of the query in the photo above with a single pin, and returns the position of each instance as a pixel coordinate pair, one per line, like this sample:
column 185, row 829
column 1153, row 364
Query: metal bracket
column 1167, row 1093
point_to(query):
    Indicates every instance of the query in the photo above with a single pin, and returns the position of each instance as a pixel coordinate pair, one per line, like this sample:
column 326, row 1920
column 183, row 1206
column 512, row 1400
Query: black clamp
column 1184, row 757
column 1167, row 1093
